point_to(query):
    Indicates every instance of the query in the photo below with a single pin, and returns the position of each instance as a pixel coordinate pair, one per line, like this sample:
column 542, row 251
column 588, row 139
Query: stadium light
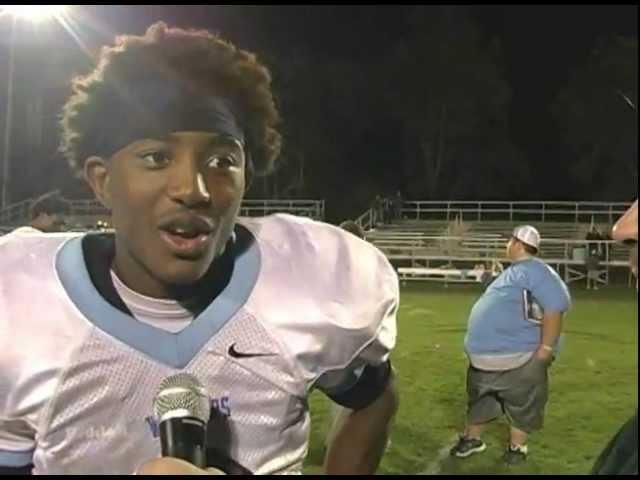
column 33, row 13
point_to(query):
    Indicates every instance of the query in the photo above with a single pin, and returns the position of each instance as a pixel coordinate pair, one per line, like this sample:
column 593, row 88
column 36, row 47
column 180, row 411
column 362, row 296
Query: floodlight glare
column 33, row 13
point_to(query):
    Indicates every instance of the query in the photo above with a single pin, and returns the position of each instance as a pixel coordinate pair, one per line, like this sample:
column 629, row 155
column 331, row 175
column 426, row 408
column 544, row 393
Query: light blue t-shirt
column 506, row 319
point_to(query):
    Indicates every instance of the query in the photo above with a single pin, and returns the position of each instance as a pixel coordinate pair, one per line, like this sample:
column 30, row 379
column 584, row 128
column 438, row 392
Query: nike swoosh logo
column 236, row 354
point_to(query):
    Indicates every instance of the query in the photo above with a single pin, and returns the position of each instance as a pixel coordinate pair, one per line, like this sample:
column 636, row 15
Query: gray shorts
column 521, row 394
column 593, row 274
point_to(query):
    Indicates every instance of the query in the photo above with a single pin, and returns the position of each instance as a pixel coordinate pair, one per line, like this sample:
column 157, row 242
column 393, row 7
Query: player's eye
column 155, row 159
column 225, row 161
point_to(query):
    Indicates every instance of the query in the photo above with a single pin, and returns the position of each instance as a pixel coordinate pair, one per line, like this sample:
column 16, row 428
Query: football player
column 169, row 130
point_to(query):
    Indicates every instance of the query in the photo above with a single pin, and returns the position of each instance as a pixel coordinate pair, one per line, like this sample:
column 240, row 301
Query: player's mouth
column 187, row 236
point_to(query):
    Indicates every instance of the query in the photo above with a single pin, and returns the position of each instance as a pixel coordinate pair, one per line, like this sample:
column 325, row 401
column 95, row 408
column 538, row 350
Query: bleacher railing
column 367, row 220
column 306, row 208
column 15, row 213
column 514, row 211
column 19, row 212
column 568, row 257
column 493, row 248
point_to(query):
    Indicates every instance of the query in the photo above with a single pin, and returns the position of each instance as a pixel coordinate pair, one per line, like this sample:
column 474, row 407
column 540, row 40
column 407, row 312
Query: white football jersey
column 307, row 305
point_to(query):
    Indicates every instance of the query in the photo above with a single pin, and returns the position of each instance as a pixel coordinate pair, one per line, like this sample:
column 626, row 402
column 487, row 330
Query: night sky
column 542, row 45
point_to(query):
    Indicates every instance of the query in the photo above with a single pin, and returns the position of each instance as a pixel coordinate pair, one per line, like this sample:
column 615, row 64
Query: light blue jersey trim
column 173, row 349
column 10, row 458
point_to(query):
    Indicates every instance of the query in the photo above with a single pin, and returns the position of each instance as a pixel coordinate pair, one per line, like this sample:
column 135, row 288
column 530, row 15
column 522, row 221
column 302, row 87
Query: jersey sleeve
column 17, row 438
column 26, row 325
column 331, row 300
column 354, row 367
column 361, row 381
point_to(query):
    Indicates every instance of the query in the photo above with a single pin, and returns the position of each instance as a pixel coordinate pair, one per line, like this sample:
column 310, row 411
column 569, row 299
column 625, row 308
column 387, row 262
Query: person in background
column 512, row 335
column 378, row 210
column 593, row 257
column 353, row 228
column 620, row 456
column 398, row 203
column 46, row 214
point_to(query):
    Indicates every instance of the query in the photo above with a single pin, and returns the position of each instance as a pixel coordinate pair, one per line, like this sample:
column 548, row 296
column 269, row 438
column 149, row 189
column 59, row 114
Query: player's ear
column 97, row 175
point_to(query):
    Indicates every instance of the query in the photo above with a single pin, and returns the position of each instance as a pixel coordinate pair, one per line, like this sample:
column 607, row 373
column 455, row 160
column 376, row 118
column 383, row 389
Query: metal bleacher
column 435, row 241
column 84, row 214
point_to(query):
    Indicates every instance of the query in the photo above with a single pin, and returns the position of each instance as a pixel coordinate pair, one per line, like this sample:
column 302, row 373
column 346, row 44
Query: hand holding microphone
column 174, row 466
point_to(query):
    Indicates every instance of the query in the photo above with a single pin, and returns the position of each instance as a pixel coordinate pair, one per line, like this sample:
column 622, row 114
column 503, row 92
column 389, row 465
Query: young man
column 512, row 334
column 353, row 228
column 46, row 214
column 169, row 130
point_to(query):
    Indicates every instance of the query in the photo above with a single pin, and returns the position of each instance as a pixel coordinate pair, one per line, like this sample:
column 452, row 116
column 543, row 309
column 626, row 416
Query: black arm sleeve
column 10, row 471
column 367, row 389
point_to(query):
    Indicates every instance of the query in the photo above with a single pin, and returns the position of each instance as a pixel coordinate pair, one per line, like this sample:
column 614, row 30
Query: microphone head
column 179, row 396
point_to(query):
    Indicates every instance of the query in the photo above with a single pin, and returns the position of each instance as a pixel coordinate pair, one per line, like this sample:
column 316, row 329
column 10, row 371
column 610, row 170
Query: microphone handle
column 184, row 438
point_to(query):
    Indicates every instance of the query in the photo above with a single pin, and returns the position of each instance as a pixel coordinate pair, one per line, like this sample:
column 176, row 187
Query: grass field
column 593, row 386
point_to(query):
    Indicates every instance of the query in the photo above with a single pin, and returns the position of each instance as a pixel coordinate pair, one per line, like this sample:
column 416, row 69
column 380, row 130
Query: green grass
column 593, row 386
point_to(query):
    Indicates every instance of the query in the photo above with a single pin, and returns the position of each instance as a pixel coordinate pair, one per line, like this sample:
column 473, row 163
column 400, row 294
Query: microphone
column 182, row 410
